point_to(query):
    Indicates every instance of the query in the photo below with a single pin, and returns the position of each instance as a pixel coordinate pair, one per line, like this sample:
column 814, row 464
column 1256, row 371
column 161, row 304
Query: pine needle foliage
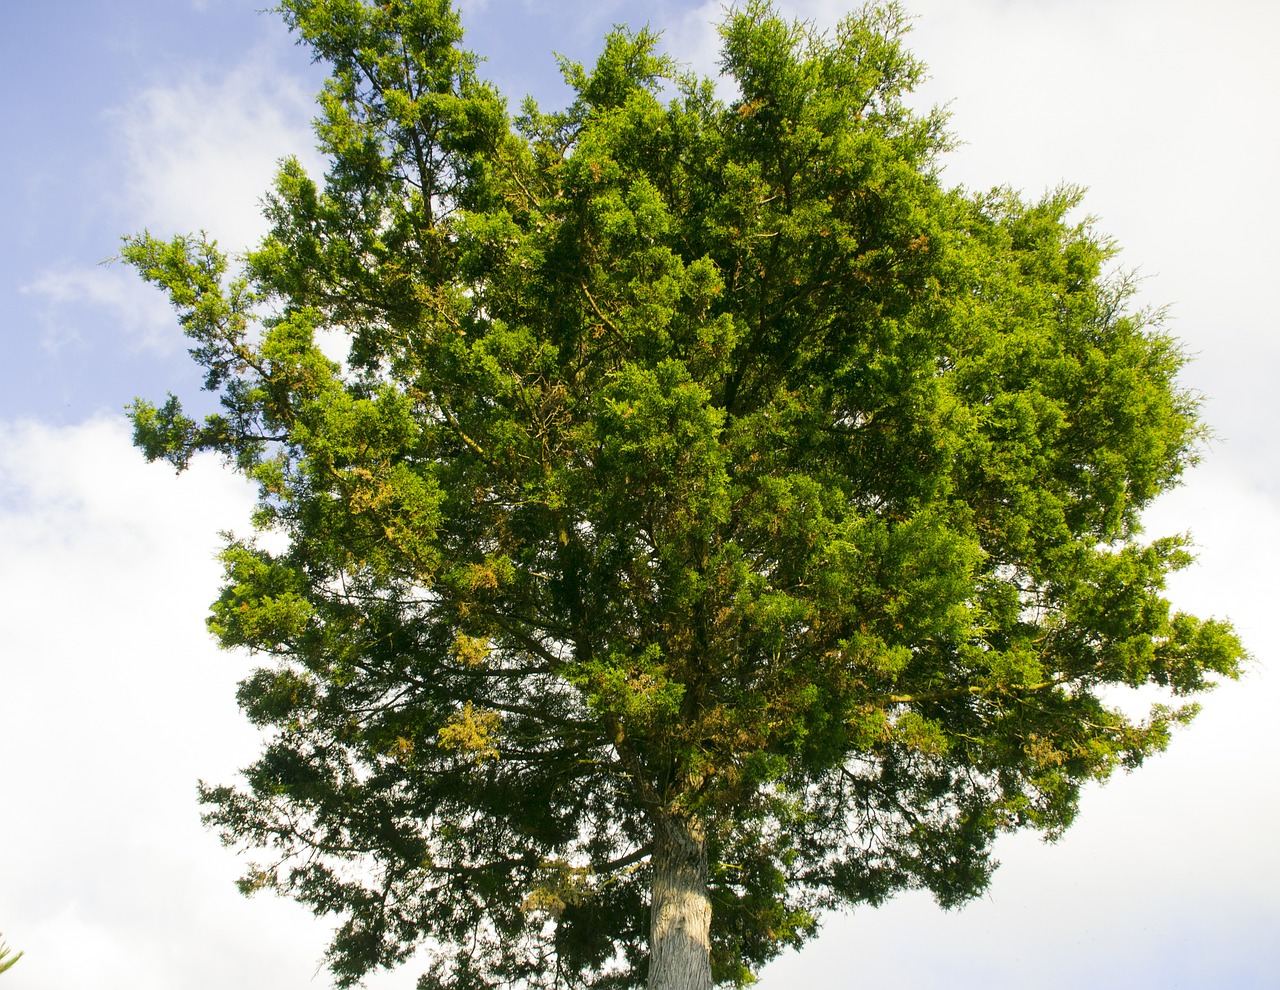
column 699, row 474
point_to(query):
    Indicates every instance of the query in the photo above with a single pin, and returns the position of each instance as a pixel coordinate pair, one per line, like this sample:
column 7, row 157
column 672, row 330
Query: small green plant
column 5, row 961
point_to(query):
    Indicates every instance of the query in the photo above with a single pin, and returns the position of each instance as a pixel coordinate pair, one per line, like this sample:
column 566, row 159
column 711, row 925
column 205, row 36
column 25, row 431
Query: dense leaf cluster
column 688, row 461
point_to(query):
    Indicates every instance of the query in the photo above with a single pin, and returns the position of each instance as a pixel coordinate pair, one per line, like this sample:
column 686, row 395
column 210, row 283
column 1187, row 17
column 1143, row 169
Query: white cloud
column 113, row 702
column 109, row 296
column 693, row 38
column 201, row 152
column 198, row 153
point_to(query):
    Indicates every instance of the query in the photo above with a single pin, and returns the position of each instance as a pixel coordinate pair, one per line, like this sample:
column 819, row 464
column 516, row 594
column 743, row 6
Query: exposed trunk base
column 680, row 926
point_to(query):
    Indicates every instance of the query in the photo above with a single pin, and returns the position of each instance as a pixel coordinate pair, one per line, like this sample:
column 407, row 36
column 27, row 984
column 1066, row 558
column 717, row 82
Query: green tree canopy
column 713, row 520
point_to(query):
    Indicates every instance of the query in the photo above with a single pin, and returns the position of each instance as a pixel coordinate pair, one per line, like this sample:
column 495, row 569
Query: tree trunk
column 680, row 923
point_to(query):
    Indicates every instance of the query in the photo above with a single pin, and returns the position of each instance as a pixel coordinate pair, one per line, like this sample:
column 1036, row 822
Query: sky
column 169, row 115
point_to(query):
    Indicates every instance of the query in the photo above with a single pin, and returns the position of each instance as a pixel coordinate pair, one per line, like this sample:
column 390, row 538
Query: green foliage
column 690, row 462
column 7, row 960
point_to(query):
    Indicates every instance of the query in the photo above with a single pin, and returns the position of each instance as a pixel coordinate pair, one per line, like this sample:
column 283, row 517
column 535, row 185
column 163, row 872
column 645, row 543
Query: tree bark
column 680, row 922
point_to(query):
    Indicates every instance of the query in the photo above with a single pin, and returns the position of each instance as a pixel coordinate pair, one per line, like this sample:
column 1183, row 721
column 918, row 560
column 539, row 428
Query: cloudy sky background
column 170, row 114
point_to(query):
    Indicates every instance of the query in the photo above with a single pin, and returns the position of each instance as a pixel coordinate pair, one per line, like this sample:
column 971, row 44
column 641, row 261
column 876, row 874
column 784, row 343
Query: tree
column 714, row 520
